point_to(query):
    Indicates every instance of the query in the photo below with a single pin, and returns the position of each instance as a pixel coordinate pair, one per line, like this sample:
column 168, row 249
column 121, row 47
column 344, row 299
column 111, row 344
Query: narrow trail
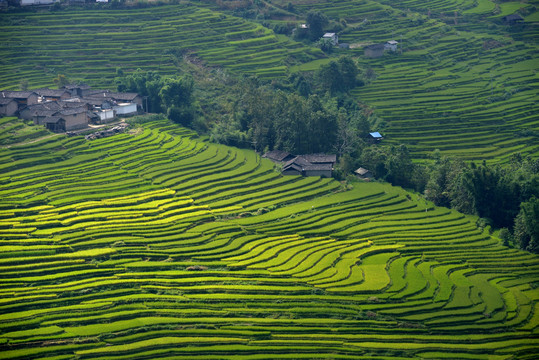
column 31, row 141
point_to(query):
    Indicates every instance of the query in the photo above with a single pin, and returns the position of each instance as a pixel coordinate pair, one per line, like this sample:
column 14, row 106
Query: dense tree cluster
column 505, row 196
column 172, row 95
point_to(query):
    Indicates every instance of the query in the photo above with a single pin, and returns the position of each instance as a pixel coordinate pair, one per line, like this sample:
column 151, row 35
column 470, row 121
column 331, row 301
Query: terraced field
column 461, row 81
column 156, row 244
column 34, row 46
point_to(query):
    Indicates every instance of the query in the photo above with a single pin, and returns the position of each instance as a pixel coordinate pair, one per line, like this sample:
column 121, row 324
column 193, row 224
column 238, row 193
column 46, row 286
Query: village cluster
column 70, row 108
column 4, row 3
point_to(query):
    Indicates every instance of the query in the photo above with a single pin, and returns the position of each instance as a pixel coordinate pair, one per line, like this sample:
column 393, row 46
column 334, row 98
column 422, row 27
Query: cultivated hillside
column 169, row 247
column 462, row 80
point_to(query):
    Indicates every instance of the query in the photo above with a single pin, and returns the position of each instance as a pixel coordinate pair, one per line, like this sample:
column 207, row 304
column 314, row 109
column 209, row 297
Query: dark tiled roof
column 277, row 155
column 17, row 94
column 51, row 92
column 513, row 17
column 298, row 160
column 5, row 101
column 41, row 112
column 293, row 167
column 52, row 119
column 320, row 158
column 123, row 96
column 73, row 111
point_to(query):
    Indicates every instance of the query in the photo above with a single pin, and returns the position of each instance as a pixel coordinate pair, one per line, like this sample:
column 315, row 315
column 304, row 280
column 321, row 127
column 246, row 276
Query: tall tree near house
column 349, row 72
column 329, row 78
column 61, row 81
column 316, row 22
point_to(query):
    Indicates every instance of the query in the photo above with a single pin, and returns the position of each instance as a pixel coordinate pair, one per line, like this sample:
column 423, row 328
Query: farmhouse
column 374, row 51
column 310, row 165
column 8, row 107
column 332, row 37
column 512, row 19
column 391, row 45
column 364, row 174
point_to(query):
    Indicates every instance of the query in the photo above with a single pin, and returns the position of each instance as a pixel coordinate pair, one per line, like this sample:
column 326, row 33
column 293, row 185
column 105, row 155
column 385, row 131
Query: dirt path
column 31, row 141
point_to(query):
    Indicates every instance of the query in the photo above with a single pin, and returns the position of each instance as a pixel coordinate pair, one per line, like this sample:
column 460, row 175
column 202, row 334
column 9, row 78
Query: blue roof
column 376, row 134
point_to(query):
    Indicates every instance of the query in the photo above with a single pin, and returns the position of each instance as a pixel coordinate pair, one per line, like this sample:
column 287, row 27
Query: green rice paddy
column 196, row 270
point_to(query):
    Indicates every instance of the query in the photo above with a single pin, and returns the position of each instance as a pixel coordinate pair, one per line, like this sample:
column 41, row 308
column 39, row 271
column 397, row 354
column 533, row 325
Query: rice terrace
column 236, row 179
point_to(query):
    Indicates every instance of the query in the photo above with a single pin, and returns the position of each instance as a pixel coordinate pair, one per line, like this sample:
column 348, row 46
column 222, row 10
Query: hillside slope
column 461, row 81
column 171, row 247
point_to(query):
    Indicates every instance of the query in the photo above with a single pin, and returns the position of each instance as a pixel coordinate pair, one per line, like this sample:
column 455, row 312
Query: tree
column 316, row 21
column 526, row 233
column 177, row 91
column 329, row 78
column 400, row 167
column 349, row 72
column 145, row 83
column 61, row 81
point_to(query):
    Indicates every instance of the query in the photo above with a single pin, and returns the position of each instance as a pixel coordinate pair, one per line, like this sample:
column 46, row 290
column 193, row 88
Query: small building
column 76, row 118
column 55, row 124
column 332, row 37
column 105, row 115
column 364, row 174
column 8, row 107
column 375, row 136
column 344, row 46
column 278, row 156
column 374, row 51
column 391, row 45
column 512, row 19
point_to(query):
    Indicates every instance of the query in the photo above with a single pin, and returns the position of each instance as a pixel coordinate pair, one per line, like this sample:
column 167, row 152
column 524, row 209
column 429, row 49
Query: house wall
column 36, row 2
column 322, row 173
column 32, row 99
column 9, row 109
column 126, row 109
column 374, row 53
column 291, row 172
column 76, row 121
column 106, row 115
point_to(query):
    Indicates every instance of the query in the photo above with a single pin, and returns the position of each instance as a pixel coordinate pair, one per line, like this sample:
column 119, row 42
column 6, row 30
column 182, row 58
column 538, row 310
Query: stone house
column 310, row 165
column 364, row 174
column 374, row 51
column 23, row 98
column 8, row 107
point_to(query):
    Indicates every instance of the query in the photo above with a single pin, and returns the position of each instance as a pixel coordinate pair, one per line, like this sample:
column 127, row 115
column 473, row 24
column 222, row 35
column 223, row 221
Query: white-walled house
column 125, row 109
column 37, row 2
column 334, row 38
column 391, row 45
